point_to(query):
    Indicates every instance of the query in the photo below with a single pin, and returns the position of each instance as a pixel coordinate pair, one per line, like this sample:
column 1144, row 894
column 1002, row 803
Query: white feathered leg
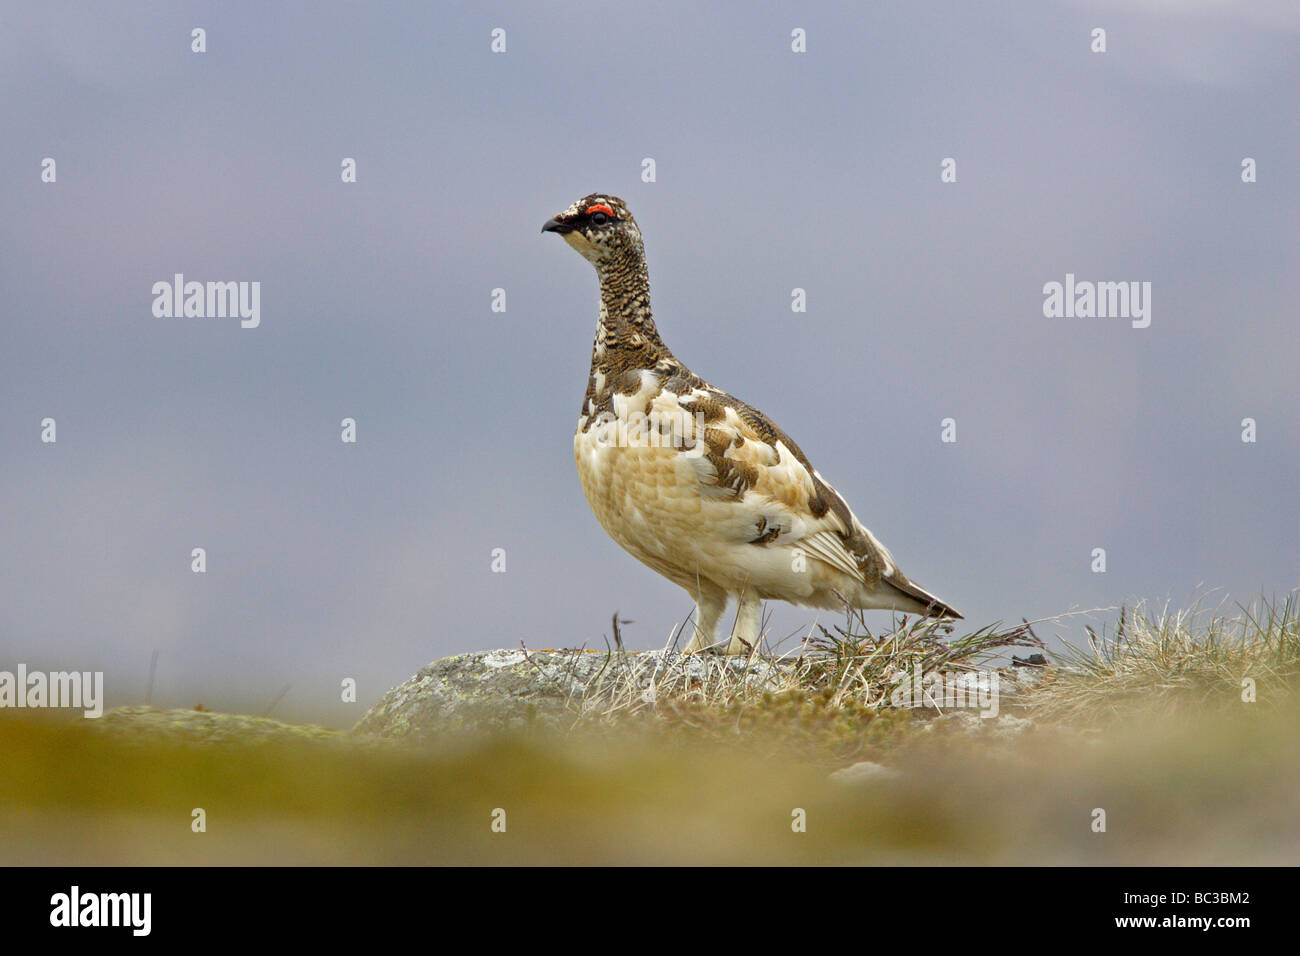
column 710, row 602
column 745, row 635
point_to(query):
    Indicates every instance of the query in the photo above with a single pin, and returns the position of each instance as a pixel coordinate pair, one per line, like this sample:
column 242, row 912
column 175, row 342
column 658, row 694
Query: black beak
column 554, row 225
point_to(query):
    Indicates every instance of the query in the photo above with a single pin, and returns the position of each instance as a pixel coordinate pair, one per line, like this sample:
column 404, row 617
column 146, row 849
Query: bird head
column 601, row 228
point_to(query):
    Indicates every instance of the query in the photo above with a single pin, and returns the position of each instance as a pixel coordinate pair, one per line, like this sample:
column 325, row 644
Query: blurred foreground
column 1221, row 790
column 1171, row 742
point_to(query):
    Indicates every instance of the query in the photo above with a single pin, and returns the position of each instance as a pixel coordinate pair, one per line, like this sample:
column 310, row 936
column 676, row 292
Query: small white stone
column 865, row 772
column 503, row 658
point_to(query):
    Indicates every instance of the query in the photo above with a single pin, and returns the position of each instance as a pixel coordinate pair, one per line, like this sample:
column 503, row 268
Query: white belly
column 649, row 500
column 646, row 499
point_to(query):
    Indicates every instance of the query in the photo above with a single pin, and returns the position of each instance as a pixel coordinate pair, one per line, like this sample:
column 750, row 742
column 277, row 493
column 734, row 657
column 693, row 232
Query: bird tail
column 903, row 594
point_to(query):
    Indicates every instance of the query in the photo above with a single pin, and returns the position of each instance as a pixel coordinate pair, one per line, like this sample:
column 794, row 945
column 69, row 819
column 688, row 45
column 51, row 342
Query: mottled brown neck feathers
column 626, row 337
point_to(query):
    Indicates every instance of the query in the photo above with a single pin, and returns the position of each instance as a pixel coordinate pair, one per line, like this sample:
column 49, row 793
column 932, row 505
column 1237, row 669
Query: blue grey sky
column 774, row 170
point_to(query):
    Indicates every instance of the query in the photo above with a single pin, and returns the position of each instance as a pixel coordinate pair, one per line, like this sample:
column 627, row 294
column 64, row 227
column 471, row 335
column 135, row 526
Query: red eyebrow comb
column 600, row 207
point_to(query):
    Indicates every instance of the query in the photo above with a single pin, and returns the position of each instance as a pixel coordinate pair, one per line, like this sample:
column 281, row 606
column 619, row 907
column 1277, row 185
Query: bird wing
column 740, row 457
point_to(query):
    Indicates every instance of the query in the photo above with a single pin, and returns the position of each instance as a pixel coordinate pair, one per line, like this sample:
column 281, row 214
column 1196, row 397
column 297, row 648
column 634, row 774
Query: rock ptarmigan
column 701, row 487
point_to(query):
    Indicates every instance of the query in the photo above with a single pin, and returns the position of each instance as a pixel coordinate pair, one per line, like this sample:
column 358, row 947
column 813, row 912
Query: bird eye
column 599, row 213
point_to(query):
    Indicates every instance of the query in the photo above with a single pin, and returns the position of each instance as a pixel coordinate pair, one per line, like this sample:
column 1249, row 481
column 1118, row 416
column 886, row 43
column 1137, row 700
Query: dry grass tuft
column 826, row 699
column 841, row 666
column 1193, row 660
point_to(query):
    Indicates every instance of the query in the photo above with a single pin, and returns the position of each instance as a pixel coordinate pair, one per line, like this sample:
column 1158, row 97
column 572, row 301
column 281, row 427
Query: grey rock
column 964, row 720
column 1018, row 680
column 1009, row 726
column 1004, row 727
column 512, row 689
